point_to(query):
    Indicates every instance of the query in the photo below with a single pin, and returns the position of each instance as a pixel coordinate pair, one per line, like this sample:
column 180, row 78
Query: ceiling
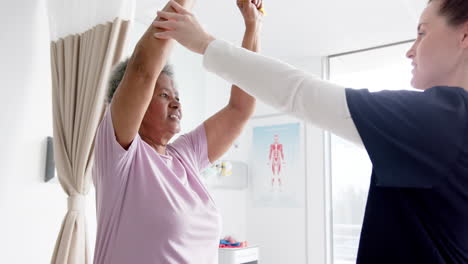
column 303, row 28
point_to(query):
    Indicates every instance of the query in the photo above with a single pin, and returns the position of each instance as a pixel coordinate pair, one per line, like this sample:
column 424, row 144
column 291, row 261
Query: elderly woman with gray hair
column 151, row 205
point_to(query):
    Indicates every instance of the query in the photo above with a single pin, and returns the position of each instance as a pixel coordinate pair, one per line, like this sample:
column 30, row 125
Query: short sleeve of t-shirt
column 412, row 138
column 110, row 156
column 194, row 146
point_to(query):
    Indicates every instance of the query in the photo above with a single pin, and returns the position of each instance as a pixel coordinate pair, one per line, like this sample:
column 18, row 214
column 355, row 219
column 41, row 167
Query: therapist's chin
column 419, row 84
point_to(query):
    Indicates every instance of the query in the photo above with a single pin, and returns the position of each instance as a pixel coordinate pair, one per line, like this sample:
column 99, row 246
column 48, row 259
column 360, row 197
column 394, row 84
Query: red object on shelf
column 242, row 244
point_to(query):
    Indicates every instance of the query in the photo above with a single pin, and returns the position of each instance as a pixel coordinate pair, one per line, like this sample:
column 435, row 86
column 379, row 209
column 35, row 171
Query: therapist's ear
column 464, row 42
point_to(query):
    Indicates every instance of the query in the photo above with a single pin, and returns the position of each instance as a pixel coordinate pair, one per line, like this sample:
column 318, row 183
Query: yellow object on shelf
column 226, row 168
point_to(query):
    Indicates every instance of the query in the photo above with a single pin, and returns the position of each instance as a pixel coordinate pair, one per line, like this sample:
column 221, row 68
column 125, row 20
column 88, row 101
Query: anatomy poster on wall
column 277, row 167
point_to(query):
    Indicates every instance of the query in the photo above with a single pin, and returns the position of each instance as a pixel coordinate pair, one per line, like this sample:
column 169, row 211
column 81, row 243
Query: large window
column 385, row 68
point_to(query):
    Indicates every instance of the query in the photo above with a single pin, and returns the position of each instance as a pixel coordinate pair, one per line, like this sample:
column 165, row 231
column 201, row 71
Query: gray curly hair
column 118, row 72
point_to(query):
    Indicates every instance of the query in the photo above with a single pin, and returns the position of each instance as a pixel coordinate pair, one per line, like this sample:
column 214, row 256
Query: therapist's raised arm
column 285, row 87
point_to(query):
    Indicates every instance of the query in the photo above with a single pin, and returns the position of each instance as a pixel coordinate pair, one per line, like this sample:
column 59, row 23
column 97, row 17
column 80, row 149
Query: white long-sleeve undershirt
column 291, row 90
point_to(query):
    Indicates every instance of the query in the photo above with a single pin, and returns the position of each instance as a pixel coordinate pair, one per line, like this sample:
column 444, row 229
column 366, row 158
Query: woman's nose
column 175, row 104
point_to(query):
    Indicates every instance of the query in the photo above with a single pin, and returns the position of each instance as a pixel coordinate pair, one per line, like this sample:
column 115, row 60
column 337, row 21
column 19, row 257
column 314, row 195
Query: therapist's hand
column 184, row 28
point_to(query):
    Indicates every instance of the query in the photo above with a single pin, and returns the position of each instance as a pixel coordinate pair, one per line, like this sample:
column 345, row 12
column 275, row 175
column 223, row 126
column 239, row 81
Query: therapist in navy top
column 417, row 208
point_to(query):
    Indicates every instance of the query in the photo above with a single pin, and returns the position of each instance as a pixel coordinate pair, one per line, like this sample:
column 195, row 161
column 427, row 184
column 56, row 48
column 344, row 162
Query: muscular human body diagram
column 276, row 158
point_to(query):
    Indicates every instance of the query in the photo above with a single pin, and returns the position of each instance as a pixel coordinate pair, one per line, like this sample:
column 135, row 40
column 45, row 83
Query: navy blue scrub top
column 417, row 207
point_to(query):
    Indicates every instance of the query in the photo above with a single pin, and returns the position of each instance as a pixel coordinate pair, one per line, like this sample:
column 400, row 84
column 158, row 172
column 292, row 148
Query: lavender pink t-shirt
column 153, row 208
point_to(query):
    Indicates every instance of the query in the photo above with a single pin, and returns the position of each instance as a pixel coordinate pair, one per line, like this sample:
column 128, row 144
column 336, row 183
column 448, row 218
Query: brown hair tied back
column 456, row 11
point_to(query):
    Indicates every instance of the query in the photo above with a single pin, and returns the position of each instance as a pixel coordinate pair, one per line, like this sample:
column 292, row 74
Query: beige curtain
column 81, row 64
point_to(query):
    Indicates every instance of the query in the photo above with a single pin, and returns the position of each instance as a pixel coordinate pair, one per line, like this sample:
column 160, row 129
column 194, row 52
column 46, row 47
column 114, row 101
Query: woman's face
column 437, row 54
column 164, row 112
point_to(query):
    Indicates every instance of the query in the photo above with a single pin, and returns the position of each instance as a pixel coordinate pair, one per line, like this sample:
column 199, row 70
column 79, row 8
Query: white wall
column 31, row 210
